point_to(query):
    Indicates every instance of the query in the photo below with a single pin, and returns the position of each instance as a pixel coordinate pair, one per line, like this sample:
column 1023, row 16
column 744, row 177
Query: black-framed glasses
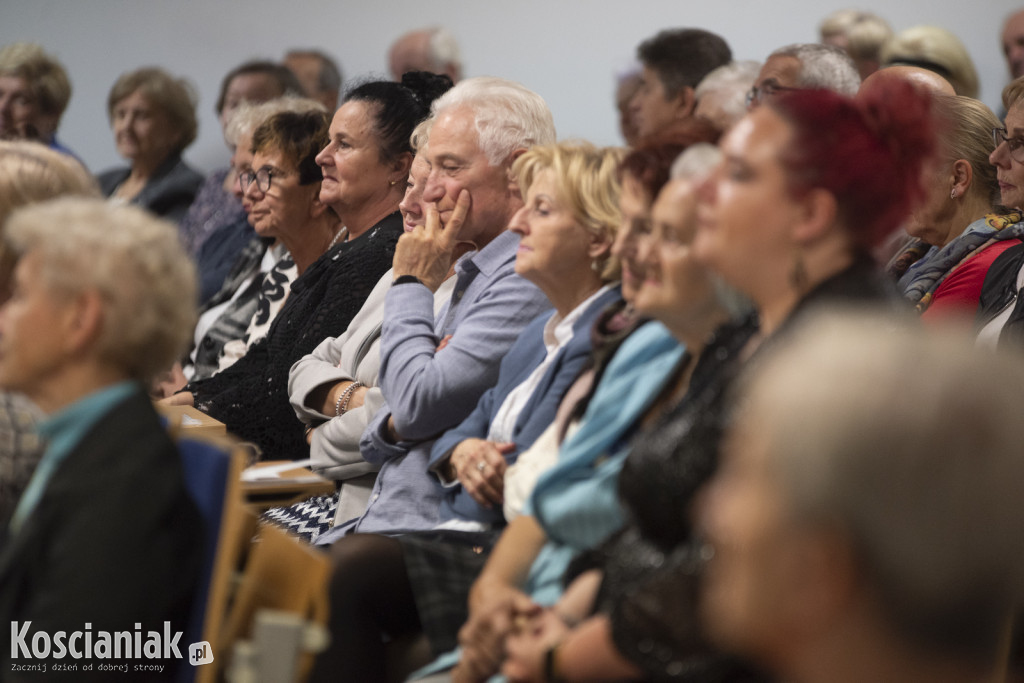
column 1015, row 144
column 757, row 94
column 263, row 177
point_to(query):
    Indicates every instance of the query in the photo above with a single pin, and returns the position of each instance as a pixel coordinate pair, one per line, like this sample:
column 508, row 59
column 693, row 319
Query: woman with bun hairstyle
column 364, row 167
column 789, row 219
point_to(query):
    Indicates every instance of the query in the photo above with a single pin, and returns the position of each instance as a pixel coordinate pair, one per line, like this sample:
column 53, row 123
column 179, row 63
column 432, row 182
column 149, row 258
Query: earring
column 393, row 183
column 798, row 275
column 596, row 265
column 952, row 194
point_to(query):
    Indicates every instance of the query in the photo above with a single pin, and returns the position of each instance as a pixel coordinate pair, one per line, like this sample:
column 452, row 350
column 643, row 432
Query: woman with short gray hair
column 104, row 536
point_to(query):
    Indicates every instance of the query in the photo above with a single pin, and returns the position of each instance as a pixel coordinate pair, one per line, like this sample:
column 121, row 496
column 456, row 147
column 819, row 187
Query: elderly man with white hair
column 477, row 129
column 104, row 537
column 805, row 66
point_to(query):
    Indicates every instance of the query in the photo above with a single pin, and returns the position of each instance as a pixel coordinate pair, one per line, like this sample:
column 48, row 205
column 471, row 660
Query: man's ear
column 686, row 102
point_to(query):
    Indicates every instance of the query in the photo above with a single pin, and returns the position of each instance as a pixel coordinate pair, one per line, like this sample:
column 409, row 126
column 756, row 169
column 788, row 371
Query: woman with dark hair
column 365, row 164
column 153, row 117
column 789, row 219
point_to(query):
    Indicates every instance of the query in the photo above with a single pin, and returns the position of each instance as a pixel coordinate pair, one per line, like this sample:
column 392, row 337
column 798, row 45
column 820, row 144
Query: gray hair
column 508, row 116
column 695, row 164
column 248, row 116
column 916, row 460
column 728, row 86
column 133, row 259
column 444, row 49
column 823, row 66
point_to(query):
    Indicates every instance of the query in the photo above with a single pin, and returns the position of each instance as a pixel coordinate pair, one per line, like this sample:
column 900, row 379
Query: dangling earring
column 597, row 265
column 798, row 275
column 952, row 193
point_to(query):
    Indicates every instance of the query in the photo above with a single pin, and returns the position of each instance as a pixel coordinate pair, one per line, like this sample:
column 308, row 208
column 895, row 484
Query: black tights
column 370, row 598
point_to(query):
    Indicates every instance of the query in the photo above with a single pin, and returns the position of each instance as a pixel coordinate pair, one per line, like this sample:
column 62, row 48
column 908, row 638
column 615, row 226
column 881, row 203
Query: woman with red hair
column 810, row 183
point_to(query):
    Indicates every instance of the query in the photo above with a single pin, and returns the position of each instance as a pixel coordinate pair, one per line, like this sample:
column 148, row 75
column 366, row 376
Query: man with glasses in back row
column 805, row 66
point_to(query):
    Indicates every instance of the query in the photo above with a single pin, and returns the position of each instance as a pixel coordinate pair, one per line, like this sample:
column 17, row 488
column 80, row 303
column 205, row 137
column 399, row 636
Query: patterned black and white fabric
column 306, row 519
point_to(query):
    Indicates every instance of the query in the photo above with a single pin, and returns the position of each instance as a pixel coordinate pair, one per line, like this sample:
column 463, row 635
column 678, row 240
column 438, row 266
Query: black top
column 999, row 291
column 115, row 540
column 168, row 193
column 651, row 567
column 251, row 396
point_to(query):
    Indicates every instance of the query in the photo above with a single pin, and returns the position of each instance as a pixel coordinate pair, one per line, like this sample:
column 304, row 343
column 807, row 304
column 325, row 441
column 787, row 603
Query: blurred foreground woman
column 105, row 536
column 861, row 537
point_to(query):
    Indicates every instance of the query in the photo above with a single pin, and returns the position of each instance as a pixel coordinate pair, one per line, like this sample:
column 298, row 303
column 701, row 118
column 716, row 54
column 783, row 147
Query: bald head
column 1013, row 43
column 432, row 49
column 922, row 78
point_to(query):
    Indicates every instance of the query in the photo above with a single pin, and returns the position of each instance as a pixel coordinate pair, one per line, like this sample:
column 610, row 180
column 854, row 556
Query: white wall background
column 566, row 50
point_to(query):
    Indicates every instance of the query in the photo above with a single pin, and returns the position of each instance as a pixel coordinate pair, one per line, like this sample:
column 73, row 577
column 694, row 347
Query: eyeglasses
column 263, row 178
column 757, row 94
column 1015, row 145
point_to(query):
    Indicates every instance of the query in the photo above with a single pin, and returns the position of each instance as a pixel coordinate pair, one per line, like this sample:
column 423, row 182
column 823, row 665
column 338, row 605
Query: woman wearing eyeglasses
column 957, row 234
column 363, row 189
column 1001, row 307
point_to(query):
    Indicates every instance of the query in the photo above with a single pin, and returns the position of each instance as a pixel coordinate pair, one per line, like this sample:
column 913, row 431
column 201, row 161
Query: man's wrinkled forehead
column 454, row 135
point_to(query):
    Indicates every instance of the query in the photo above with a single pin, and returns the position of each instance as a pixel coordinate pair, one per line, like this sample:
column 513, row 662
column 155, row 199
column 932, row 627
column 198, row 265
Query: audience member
column 573, row 506
column 319, row 75
column 860, row 34
column 722, row 94
column 430, row 49
column 922, row 78
column 104, row 536
column 420, row 580
column 858, row 535
column 627, row 82
column 789, row 219
column 1001, row 311
column 34, row 92
column 153, row 117
column 958, row 235
column 29, row 173
column 805, row 66
column 255, row 289
column 935, row 49
column 326, row 387
column 674, row 62
column 366, row 158
column 433, row 369
column 215, row 209
column 1013, row 43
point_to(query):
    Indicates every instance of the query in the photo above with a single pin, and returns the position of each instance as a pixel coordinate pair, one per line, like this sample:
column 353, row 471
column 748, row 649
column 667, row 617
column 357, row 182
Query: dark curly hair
column 398, row 107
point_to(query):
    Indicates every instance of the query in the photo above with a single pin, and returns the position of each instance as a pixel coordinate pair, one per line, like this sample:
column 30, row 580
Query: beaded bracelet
column 341, row 405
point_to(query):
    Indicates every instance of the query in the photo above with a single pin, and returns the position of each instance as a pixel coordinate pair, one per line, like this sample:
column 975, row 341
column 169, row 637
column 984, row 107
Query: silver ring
column 481, row 466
